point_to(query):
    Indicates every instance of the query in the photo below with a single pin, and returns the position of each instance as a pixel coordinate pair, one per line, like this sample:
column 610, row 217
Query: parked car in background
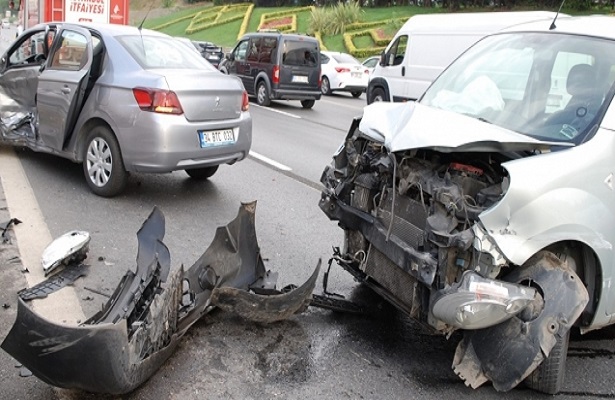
column 342, row 72
column 120, row 99
column 276, row 66
column 211, row 52
column 487, row 206
column 6, row 24
column 370, row 63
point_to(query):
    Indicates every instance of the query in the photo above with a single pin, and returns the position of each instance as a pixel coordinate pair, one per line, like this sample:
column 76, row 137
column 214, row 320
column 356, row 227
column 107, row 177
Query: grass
column 226, row 35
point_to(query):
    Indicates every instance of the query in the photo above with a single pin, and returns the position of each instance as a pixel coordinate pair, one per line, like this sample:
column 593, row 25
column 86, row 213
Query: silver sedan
column 120, row 99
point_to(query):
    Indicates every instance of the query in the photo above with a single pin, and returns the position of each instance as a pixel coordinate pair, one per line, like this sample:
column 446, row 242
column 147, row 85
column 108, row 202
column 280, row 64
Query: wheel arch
column 584, row 261
column 262, row 77
column 80, row 142
column 377, row 83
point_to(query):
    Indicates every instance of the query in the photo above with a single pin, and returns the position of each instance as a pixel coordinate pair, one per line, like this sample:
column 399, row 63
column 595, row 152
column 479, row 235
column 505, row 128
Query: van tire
column 262, row 94
column 325, row 86
column 549, row 376
column 377, row 94
column 307, row 103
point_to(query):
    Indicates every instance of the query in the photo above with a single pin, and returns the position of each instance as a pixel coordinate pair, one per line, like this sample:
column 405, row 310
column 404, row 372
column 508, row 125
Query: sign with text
column 99, row 11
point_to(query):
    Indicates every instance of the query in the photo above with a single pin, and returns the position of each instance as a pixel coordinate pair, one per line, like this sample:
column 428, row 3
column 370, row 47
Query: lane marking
column 33, row 236
column 276, row 111
column 269, row 161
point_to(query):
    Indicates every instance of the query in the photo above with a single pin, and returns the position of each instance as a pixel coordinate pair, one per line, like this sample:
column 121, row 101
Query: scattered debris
column 70, row 248
column 96, row 291
column 4, row 228
column 54, row 283
column 25, row 372
column 5, row 306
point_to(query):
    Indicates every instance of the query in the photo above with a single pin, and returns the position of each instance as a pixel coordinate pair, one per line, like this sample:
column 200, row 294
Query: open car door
column 62, row 85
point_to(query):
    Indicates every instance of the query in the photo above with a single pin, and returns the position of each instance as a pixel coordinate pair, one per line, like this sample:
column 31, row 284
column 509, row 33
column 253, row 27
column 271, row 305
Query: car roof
column 591, row 25
column 278, row 34
column 109, row 29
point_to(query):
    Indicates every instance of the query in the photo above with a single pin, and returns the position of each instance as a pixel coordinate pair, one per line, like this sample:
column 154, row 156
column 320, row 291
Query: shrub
column 334, row 20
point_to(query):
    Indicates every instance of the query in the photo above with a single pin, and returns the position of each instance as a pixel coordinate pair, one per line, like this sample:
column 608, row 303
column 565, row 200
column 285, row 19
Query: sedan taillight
column 157, row 100
column 342, row 69
column 245, row 101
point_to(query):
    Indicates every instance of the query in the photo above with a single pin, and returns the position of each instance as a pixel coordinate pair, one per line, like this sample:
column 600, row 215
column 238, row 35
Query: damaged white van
column 488, row 206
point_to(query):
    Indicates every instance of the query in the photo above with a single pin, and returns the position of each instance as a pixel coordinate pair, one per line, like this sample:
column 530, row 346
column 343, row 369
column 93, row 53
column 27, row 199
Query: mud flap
column 507, row 353
column 266, row 309
column 124, row 344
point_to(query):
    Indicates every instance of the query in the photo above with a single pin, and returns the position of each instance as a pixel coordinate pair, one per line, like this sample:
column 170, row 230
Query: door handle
column 66, row 90
column 403, row 71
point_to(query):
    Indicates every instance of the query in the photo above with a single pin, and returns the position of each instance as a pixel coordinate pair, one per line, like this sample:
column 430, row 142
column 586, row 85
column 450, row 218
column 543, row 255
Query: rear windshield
column 153, row 52
column 345, row 58
column 299, row 52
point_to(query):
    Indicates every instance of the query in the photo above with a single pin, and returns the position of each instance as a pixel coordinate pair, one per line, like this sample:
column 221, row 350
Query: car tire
column 102, row 163
column 376, row 95
column 262, row 94
column 201, row 174
column 325, row 86
column 356, row 95
column 308, row 103
column 549, row 376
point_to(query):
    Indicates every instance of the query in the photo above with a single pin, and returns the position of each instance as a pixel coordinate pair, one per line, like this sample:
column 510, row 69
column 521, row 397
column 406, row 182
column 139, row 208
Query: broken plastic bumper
column 120, row 347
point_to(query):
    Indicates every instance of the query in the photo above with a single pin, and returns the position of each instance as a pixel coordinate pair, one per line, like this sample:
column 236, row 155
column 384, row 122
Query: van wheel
column 102, row 163
column 325, row 86
column 377, row 95
column 356, row 95
column 262, row 95
column 549, row 376
column 200, row 174
column 307, row 103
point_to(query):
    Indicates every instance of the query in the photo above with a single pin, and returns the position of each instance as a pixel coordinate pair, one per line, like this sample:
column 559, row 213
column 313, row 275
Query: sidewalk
column 12, row 280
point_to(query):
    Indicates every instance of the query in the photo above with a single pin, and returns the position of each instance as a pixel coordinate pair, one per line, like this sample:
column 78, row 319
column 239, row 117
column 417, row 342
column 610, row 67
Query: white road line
column 277, row 111
column 32, row 237
column 270, row 161
column 360, row 104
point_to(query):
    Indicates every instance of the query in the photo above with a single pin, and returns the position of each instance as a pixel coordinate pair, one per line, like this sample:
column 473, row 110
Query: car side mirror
column 229, row 56
column 383, row 59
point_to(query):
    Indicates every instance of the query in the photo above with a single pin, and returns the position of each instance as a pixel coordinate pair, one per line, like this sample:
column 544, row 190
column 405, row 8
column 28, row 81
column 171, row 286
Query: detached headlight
column 477, row 302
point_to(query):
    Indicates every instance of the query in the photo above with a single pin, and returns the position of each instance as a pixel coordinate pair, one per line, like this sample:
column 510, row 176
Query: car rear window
column 345, row 58
column 299, row 52
column 153, row 52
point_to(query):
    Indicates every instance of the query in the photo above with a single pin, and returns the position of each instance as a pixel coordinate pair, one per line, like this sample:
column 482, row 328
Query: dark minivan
column 274, row 65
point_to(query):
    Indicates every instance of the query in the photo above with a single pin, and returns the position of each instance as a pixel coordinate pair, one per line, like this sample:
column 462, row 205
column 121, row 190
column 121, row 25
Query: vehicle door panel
column 62, row 85
column 19, row 70
column 240, row 66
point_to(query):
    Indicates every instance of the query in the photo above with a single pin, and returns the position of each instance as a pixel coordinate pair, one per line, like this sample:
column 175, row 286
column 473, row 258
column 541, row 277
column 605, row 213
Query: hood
column 405, row 126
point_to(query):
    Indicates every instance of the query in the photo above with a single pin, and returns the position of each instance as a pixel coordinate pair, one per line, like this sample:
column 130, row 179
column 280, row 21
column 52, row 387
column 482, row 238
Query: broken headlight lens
column 477, row 302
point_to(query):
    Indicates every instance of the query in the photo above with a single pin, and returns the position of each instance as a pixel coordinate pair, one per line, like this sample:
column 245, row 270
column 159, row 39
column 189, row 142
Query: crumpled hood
column 405, row 126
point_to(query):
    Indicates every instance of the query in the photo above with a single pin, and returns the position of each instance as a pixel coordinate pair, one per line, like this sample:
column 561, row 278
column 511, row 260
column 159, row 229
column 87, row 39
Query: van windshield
column 545, row 85
column 299, row 52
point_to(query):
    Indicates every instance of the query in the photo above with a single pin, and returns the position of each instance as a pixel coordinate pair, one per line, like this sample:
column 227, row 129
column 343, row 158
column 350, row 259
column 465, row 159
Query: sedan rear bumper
column 172, row 143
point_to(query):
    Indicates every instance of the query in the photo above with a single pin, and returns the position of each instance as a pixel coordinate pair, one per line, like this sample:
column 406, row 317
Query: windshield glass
column 163, row 52
column 545, row 85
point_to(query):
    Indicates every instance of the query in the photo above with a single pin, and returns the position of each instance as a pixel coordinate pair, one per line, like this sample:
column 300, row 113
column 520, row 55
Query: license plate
column 356, row 74
column 216, row 138
column 300, row 79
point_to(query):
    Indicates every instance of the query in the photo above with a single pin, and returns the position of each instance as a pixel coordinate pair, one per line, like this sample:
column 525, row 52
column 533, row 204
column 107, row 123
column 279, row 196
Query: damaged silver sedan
column 488, row 206
column 151, row 309
column 120, row 99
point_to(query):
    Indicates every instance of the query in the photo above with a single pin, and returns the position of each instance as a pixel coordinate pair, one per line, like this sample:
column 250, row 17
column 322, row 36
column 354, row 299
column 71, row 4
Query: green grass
column 226, row 35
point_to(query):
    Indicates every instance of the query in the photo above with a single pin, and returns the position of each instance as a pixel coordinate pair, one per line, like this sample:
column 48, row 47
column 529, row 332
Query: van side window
column 240, row 51
column 397, row 50
column 267, row 48
column 255, row 45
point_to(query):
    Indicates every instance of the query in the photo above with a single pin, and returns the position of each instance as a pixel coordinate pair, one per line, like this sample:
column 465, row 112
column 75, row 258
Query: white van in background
column 427, row 44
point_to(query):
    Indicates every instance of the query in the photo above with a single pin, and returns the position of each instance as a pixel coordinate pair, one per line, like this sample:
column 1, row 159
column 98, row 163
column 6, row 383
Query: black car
column 274, row 65
column 211, row 52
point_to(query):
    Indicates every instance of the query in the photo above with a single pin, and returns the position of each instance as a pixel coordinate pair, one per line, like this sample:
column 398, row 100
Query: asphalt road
column 314, row 355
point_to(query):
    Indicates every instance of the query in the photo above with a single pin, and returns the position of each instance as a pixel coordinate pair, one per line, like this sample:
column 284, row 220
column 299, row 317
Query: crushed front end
column 413, row 233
